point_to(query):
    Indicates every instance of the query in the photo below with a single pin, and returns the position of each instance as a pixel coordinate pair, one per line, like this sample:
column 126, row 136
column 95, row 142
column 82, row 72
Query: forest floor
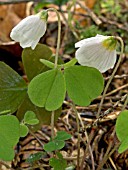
column 103, row 143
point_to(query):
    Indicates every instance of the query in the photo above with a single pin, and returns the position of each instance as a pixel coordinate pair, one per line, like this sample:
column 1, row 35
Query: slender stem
column 56, row 61
column 114, row 71
column 52, row 124
column 59, row 35
column 125, row 103
column 78, row 130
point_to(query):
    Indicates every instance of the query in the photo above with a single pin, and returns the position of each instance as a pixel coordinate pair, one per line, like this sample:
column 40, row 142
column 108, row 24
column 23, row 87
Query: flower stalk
column 59, row 35
column 114, row 71
column 55, row 65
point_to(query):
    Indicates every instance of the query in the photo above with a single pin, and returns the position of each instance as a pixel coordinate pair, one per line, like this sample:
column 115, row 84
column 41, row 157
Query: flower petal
column 29, row 31
column 98, row 38
column 96, row 55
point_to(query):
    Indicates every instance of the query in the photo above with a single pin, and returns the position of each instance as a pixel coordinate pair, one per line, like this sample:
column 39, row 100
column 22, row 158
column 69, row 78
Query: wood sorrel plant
column 50, row 79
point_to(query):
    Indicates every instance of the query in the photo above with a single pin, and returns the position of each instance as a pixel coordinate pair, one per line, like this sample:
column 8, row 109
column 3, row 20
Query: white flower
column 29, row 31
column 98, row 52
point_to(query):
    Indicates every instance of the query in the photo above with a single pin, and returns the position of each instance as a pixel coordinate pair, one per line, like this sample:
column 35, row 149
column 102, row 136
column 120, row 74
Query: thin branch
column 6, row 165
column 108, row 151
column 91, row 14
column 125, row 103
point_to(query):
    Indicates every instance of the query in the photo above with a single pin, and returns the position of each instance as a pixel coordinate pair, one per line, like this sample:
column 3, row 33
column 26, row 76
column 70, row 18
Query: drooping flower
column 98, row 52
column 29, row 31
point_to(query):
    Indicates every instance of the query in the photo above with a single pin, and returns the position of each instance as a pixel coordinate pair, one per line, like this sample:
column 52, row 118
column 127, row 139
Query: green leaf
column 58, row 163
column 70, row 63
column 47, row 63
column 42, row 114
column 31, row 60
column 12, row 89
column 35, row 157
column 9, row 136
column 23, row 130
column 6, row 154
column 122, row 130
column 83, row 84
column 62, row 135
column 122, row 125
column 48, row 90
column 54, row 145
column 30, row 118
column 124, row 145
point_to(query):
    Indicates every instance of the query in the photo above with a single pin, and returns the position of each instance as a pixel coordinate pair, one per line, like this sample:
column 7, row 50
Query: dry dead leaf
column 10, row 15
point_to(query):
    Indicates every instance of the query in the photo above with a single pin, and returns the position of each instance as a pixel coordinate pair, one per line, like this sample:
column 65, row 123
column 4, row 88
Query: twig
column 6, row 165
column 114, row 91
column 118, row 76
column 118, row 25
column 107, row 152
column 88, row 143
column 42, row 145
column 125, row 103
column 91, row 14
column 114, row 166
column 88, row 147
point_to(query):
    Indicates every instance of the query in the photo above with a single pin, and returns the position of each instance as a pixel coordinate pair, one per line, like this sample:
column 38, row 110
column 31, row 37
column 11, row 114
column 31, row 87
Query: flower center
column 110, row 43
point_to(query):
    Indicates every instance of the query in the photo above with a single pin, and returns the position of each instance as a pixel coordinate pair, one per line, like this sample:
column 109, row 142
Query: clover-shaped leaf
column 10, row 134
column 83, row 84
column 30, row 118
column 58, row 142
column 48, row 89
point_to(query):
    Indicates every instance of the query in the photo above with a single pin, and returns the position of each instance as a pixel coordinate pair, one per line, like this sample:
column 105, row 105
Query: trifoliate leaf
column 83, row 84
column 54, row 145
column 48, row 90
column 30, row 118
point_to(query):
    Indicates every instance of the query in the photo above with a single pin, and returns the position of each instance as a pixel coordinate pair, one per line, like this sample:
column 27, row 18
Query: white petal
column 29, row 31
column 97, row 56
column 98, row 38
